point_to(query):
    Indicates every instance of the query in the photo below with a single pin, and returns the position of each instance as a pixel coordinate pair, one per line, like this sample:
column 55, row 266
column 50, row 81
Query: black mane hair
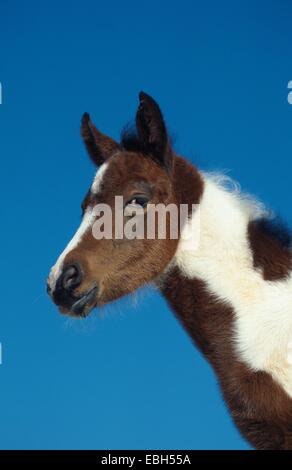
column 130, row 140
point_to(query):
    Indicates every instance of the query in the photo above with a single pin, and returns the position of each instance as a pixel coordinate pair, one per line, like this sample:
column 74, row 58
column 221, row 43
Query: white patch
column 95, row 188
column 289, row 353
column 224, row 261
column 85, row 225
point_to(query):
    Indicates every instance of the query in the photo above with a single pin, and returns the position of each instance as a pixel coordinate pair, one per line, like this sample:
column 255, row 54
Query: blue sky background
column 128, row 376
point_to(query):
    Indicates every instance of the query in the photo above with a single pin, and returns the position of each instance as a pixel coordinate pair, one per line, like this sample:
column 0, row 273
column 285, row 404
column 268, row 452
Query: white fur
column 95, row 188
column 86, row 225
column 224, row 261
column 56, row 270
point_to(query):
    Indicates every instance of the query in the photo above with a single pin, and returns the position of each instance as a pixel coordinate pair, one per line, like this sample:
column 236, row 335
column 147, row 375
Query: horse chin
column 78, row 316
column 83, row 306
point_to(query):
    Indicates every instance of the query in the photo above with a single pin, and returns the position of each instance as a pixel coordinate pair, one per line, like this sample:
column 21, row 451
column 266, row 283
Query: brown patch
column 269, row 253
column 260, row 408
column 188, row 184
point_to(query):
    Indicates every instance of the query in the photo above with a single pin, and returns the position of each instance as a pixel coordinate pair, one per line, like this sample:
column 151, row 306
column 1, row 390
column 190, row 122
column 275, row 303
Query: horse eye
column 139, row 201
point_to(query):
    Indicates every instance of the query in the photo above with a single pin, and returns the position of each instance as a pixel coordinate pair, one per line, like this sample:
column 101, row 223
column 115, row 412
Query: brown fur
column 274, row 259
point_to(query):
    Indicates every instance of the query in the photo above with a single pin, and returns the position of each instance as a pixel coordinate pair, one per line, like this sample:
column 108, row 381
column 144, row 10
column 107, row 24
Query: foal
column 232, row 291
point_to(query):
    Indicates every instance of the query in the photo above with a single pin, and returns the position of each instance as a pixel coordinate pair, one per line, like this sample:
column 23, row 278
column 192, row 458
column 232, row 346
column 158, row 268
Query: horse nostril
column 71, row 277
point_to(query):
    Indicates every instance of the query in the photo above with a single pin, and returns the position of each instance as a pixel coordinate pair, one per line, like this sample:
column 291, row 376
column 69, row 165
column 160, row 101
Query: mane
column 130, row 140
column 266, row 220
column 255, row 208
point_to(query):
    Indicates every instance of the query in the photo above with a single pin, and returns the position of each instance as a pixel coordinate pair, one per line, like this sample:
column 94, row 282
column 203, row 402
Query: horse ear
column 152, row 131
column 99, row 146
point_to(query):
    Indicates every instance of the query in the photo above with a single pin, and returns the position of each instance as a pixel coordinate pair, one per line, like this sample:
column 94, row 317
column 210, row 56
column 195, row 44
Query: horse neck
column 217, row 284
column 218, row 289
column 211, row 273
